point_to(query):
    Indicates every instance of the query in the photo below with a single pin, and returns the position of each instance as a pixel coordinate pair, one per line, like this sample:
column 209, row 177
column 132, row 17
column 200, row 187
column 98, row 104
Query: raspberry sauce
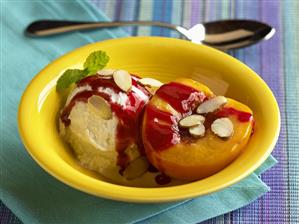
column 129, row 115
column 162, row 179
column 162, row 129
column 228, row 111
column 181, row 97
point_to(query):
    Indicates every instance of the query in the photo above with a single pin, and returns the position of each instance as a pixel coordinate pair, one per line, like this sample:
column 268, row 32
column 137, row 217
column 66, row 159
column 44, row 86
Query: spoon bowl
column 230, row 34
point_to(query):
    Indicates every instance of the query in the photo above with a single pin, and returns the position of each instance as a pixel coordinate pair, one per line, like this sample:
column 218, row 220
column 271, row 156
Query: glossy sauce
column 181, row 97
column 242, row 116
column 129, row 115
column 229, row 111
column 162, row 179
column 152, row 169
column 162, row 129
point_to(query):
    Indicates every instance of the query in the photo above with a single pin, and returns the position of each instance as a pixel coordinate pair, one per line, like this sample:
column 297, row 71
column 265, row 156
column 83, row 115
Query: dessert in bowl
column 164, row 59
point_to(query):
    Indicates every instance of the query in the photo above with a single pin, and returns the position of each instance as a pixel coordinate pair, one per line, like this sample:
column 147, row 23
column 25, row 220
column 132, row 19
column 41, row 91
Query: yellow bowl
column 165, row 59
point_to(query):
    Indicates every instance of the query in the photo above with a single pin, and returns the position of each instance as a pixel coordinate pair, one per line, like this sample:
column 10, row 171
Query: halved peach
column 180, row 156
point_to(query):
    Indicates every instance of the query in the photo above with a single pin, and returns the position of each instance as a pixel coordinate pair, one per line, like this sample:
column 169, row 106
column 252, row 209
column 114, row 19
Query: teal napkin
column 35, row 196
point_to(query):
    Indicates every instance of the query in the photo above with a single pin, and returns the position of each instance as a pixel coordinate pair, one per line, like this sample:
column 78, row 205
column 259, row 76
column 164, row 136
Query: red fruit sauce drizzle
column 129, row 116
column 228, row 111
column 152, row 169
column 182, row 98
column 242, row 116
column 162, row 179
column 162, row 129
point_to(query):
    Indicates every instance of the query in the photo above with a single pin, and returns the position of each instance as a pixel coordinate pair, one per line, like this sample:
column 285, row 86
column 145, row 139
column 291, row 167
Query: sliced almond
column 150, row 82
column 136, row 168
column 191, row 120
column 132, row 152
column 211, row 105
column 151, row 90
column 197, row 131
column 123, row 80
column 106, row 72
column 100, row 106
column 223, row 127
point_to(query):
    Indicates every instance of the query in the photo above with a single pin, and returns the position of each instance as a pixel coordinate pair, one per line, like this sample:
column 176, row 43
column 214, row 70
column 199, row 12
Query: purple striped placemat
column 275, row 60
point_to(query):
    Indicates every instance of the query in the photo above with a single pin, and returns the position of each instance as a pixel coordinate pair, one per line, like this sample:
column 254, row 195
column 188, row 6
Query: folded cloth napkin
column 35, row 196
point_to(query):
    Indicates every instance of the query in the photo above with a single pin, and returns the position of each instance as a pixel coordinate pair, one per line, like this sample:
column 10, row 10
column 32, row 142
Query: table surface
column 275, row 60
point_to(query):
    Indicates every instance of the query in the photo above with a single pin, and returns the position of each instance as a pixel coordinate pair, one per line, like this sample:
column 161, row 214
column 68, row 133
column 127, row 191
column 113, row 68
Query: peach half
column 172, row 150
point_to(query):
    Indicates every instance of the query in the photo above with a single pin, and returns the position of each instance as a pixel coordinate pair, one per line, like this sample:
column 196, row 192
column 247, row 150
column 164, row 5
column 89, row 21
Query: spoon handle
column 52, row 27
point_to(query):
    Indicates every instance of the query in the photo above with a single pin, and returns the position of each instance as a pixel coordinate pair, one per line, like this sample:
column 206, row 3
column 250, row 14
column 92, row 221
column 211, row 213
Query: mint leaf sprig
column 97, row 60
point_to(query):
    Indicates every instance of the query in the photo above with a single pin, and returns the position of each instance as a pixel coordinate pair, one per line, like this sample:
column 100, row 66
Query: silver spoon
column 223, row 35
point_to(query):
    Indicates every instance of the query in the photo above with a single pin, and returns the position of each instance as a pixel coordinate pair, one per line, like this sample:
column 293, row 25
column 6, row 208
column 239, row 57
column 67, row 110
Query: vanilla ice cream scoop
column 101, row 122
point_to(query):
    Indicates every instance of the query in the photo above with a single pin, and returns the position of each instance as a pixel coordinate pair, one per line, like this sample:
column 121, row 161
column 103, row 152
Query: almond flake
column 106, row 72
column 132, row 151
column 136, row 168
column 223, row 127
column 150, row 82
column 122, row 79
column 100, row 106
column 191, row 120
column 211, row 105
column 197, row 131
column 151, row 90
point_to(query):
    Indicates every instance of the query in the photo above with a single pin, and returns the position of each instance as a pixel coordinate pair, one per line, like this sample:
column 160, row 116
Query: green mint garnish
column 69, row 77
column 95, row 61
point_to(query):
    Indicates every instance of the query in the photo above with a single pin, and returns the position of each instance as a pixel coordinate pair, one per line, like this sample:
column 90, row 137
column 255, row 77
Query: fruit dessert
column 189, row 133
column 140, row 132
